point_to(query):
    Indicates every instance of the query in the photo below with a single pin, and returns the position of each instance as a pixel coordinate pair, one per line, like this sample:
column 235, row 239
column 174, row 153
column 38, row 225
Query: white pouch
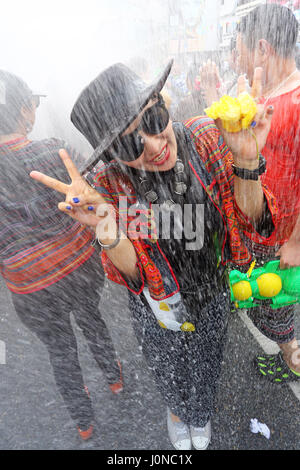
column 170, row 313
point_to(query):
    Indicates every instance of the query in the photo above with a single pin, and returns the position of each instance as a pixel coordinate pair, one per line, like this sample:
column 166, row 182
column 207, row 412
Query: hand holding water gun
column 265, row 285
column 235, row 113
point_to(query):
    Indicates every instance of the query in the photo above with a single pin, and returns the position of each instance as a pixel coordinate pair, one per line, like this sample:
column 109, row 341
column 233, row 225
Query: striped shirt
column 39, row 245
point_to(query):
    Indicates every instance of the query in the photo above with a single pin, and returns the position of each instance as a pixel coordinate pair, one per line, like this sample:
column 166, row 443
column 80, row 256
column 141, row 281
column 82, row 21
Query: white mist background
column 59, row 46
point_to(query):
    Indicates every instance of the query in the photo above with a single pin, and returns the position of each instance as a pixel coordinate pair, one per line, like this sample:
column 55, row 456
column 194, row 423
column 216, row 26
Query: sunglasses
column 131, row 146
column 36, row 100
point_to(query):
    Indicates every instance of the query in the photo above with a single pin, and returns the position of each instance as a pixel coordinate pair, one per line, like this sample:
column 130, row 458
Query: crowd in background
column 187, row 91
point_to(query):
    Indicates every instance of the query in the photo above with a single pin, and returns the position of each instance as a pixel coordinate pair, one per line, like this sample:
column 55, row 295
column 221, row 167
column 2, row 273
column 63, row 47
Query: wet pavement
column 33, row 415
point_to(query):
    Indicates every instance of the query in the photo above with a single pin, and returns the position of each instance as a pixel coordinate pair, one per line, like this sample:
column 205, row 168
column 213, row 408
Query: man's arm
column 290, row 252
column 245, row 147
column 249, row 196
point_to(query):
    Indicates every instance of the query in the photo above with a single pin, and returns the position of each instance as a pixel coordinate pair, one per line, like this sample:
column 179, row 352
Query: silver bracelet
column 112, row 245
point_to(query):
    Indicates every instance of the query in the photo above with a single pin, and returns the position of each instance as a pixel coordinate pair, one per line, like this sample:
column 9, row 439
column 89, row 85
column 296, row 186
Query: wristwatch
column 251, row 174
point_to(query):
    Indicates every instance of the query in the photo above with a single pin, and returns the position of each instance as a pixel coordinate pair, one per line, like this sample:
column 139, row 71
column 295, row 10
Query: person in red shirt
column 267, row 38
column 283, row 175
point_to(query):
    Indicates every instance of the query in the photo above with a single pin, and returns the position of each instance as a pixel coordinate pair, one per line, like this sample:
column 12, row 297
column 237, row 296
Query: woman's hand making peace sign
column 82, row 201
column 90, row 203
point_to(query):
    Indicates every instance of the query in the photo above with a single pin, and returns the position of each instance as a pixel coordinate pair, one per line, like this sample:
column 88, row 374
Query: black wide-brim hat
column 109, row 104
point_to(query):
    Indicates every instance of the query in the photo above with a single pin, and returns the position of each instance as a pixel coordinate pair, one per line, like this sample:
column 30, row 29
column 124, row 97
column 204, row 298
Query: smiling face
column 160, row 150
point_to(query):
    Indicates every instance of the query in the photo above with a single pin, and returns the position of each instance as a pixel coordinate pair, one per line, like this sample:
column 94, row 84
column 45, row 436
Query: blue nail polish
column 253, row 123
column 75, row 199
column 90, row 208
column 69, row 208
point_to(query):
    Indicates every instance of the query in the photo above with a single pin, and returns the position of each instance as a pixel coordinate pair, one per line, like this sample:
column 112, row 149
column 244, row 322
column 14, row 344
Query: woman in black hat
column 145, row 169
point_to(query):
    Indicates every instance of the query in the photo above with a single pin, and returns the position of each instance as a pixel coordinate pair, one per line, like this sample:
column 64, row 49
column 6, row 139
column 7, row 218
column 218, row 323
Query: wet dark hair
column 274, row 23
column 297, row 56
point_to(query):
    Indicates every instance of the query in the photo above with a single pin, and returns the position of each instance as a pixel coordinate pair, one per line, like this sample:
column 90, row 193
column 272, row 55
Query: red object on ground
column 85, row 435
column 118, row 386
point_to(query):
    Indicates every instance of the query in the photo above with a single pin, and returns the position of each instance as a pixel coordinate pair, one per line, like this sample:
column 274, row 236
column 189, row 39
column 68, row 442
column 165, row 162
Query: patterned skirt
column 186, row 365
column 276, row 324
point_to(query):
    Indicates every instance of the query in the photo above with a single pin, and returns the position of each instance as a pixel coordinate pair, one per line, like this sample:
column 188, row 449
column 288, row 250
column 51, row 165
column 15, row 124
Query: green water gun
column 265, row 285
